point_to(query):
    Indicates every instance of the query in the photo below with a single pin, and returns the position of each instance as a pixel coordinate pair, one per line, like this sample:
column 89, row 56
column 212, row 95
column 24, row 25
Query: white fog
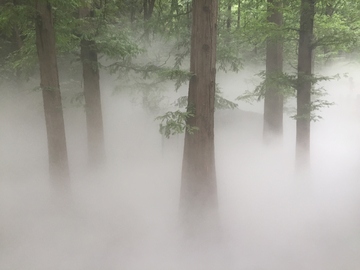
column 125, row 216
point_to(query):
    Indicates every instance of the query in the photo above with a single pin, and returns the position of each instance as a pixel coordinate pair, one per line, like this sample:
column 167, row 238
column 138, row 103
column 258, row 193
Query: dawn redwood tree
column 198, row 196
column 92, row 95
column 304, row 82
column 273, row 102
column 49, row 82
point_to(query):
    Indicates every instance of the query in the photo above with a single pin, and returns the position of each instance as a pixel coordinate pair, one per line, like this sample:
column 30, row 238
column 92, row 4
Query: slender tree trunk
column 198, row 198
column 148, row 6
column 228, row 21
column 238, row 14
column 273, row 104
column 304, row 83
column 188, row 18
column 94, row 119
column 45, row 43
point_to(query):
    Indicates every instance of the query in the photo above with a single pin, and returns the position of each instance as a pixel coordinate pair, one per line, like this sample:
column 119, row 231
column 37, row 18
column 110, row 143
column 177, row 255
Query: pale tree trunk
column 45, row 43
column 198, row 198
column 94, row 119
column 273, row 103
column 304, row 83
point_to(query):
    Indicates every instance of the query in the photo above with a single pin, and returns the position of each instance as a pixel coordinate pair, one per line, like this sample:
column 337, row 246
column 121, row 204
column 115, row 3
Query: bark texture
column 198, row 198
column 92, row 94
column 273, row 103
column 45, row 43
column 304, row 82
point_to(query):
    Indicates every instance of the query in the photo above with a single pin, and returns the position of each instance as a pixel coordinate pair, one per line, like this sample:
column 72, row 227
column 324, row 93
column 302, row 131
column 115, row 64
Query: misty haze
column 119, row 200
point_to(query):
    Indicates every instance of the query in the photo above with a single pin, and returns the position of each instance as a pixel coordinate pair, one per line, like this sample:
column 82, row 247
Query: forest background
column 140, row 51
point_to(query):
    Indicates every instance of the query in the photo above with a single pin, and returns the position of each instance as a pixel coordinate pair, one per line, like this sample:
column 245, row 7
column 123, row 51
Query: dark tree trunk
column 198, row 198
column 273, row 104
column 94, row 119
column 148, row 11
column 238, row 14
column 304, row 83
column 148, row 6
column 45, row 43
column 17, row 38
column 174, row 6
column 228, row 21
column 188, row 17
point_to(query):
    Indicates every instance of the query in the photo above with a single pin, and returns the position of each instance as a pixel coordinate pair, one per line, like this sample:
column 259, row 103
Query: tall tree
column 304, row 82
column 198, row 198
column 91, row 76
column 273, row 103
column 49, row 82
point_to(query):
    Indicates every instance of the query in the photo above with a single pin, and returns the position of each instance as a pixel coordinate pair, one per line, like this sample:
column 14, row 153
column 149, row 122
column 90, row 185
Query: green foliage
column 220, row 102
column 286, row 85
column 315, row 106
column 172, row 123
column 283, row 82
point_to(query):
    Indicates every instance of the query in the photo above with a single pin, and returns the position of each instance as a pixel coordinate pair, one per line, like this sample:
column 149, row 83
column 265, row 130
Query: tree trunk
column 148, row 6
column 273, row 104
column 304, row 83
column 198, row 198
column 148, row 10
column 45, row 43
column 94, row 119
column 238, row 15
column 228, row 21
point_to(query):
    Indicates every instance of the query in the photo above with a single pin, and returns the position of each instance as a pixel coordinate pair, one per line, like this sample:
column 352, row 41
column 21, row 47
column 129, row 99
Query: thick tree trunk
column 273, row 104
column 304, row 83
column 198, row 198
column 45, row 43
column 94, row 119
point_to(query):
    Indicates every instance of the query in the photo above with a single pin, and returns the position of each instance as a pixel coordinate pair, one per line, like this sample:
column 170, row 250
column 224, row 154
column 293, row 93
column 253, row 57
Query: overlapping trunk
column 45, row 43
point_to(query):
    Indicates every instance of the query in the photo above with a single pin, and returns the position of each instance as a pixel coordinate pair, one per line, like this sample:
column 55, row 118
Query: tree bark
column 304, row 83
column 45, row 43
column 94, row 120
column 273, row 103
column 92, row 94
column 198, row 198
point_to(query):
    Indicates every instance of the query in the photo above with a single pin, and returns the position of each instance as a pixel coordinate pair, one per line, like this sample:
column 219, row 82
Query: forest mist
column 125, row 216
